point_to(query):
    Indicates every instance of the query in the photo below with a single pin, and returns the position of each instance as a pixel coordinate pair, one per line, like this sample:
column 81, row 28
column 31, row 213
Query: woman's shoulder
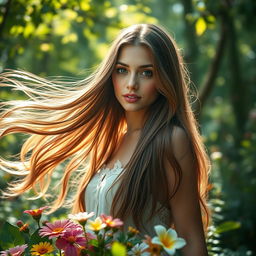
column 180, row 142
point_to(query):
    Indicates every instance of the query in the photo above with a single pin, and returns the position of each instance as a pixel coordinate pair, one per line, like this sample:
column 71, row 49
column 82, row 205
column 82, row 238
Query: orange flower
column 24, row 228
column 153, row 249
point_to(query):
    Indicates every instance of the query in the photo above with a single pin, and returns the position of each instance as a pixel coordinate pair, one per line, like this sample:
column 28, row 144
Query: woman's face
column 134, row 79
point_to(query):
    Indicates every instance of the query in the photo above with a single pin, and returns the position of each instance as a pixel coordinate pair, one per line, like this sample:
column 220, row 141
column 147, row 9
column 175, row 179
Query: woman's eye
column 121, row 70
column 147, row 73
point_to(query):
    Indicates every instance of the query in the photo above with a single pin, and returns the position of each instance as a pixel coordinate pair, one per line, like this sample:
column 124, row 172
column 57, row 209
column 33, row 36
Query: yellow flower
column 42, row 248
column 96, row 225
column 132, row 231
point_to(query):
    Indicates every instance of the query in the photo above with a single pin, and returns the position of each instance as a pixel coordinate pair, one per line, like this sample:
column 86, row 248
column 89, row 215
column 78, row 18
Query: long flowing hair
column 80, row 123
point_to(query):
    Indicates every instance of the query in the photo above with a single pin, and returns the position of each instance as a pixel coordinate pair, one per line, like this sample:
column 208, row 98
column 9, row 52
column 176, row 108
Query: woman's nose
column 132, row 81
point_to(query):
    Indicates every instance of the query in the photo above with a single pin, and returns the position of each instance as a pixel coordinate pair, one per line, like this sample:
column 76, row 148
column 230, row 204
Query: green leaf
column 36, row 239
column 200, row 26
column 118, row 249
column 94, row 242
column 227, row 226
column 10, row 236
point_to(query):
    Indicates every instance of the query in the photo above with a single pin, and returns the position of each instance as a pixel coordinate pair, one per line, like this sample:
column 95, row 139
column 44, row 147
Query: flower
column 96, row 225
column 168, row 239
column 110, row 222
column 19, row 223
column 16, row 251
column 100, row 238
column 132, row 231
column 24, row 228
column 153, row 249
column 81, row 217
column 57, row 229
column 71, row 242
column 139, row 250
column 41, row 248
column 36, row 213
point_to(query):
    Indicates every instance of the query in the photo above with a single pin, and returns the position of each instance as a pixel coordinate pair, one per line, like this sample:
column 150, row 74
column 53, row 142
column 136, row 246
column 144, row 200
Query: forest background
column 217, row 38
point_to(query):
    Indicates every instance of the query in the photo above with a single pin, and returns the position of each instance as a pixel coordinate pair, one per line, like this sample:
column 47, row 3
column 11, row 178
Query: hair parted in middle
column 85, row 121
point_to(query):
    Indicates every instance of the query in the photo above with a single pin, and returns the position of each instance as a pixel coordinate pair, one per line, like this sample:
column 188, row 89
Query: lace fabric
column 100, row 192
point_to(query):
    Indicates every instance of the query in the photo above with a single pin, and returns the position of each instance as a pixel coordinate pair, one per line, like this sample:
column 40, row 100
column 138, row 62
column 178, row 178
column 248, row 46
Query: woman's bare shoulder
column 180, row 142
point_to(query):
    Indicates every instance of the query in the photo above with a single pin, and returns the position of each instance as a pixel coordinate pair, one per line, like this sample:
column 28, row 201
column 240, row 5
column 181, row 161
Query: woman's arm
column 185, row 205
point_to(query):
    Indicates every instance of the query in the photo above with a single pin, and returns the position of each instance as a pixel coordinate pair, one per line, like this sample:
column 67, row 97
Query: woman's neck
column 135, row 121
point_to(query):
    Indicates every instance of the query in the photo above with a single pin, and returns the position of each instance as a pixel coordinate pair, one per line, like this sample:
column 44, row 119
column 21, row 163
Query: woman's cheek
column 151, row 90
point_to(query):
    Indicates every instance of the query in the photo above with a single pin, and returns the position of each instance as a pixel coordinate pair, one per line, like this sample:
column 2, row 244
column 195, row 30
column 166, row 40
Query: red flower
column 36, row 212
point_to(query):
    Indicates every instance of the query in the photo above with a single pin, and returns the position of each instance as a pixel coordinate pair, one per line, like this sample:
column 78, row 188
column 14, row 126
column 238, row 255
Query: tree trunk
column 238, row 90
column 191, row 52
column 210, row 78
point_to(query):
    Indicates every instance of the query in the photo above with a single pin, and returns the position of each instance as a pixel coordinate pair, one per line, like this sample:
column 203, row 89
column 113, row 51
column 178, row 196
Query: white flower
column 168, row 239
column 81, row 217
column 138, row 250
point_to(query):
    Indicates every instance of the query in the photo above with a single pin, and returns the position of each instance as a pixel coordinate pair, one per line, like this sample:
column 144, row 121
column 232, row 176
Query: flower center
column 167, row 242
column 57, row 230
column 155, row 249
column 97, row 226
column 71, row 239
column 43, row 250
column 36, row 212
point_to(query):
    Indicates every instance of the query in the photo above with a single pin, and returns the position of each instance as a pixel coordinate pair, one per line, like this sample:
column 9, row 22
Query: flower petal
column 172, row 233
column 160, row 230
column 156, row 240
column 61, row 243
column 170, row 251
column 71, row 250
column 179, row 243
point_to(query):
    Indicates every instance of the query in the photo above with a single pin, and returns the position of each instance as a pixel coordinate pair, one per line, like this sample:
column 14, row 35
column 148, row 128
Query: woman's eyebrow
column 142, row 66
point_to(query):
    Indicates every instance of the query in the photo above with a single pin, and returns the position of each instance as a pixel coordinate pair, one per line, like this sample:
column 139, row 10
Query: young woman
column 127, row 130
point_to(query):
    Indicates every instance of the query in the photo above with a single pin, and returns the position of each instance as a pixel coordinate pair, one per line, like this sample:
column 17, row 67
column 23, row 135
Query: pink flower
column 16, row 251
column 58, row 228
column 72, row 242
column 110, row 222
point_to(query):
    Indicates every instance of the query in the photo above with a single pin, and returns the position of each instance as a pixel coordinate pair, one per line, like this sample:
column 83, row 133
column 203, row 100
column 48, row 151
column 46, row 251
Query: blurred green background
column 218, row 41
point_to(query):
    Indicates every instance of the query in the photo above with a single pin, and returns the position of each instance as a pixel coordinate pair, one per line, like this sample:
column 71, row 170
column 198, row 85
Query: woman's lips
column 131, row 98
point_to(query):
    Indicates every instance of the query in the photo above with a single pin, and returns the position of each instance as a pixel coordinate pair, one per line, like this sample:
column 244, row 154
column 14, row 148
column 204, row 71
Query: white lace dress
column 99, row 196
